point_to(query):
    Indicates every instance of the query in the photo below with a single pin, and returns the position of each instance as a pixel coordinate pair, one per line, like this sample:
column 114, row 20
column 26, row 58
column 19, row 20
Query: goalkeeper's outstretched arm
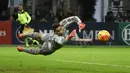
column 67, row 21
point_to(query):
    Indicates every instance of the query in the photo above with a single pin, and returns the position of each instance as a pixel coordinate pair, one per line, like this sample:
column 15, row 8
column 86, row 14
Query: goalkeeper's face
column 59, row 30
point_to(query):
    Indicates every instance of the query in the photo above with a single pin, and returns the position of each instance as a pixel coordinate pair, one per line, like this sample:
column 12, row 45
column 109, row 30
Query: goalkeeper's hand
column 72, row 34
column 81, row 26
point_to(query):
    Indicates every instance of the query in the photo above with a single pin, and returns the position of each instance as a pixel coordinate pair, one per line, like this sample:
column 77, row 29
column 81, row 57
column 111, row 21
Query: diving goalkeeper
column 52, row 41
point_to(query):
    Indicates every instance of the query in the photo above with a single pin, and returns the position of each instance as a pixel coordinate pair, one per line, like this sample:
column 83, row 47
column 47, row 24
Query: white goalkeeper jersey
column 66, row 22
column 52, row 41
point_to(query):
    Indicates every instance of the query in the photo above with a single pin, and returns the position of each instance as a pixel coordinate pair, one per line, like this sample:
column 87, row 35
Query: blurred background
column 92, row 56
column 94, row 10
column 111, row 15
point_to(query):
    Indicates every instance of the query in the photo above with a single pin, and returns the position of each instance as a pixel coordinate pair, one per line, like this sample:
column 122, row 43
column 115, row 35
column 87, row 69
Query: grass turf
column 71, row 59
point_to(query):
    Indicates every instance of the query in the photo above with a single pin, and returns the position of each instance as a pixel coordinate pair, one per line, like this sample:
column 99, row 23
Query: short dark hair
column 55, row 25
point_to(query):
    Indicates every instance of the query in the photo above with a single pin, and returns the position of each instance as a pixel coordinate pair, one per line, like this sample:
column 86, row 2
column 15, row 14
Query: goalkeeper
column 53, row 41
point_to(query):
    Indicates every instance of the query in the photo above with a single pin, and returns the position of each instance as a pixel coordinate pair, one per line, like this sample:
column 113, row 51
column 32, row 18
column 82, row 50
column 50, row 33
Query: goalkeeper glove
column 71, row 34
column 81, row 26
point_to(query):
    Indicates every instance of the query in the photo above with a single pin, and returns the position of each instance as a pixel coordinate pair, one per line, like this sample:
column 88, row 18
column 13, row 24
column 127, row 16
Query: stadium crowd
column 118, row 17
column 43, row 16
column 49, row 16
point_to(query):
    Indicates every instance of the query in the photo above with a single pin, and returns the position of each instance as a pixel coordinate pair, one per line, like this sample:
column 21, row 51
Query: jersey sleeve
column 28, row 17
column 67, row 21
column 60, row 40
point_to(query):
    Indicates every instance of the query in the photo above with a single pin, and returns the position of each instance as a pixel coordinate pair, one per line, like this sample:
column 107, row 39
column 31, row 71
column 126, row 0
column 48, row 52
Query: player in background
column 24, row 19
column 52, row 41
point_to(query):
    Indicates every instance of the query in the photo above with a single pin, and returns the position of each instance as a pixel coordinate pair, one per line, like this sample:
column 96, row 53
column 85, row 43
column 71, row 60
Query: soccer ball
column 104, row 35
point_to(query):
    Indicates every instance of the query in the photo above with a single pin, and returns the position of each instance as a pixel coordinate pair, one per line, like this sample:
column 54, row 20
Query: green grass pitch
column 69, row 59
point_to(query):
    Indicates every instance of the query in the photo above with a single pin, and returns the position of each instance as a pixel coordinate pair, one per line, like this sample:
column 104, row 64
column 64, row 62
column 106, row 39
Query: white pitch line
column 90, row 63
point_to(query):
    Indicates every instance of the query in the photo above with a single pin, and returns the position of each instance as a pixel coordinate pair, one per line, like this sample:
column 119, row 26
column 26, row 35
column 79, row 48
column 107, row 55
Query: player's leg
column 35, row 42
column 45, row 49
column 33, row 35
column 22, row 28
column 26, row 29
column 36, row 35
column 34, row 51
column 26, row 40
column 21, row 32
column 29, row 40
